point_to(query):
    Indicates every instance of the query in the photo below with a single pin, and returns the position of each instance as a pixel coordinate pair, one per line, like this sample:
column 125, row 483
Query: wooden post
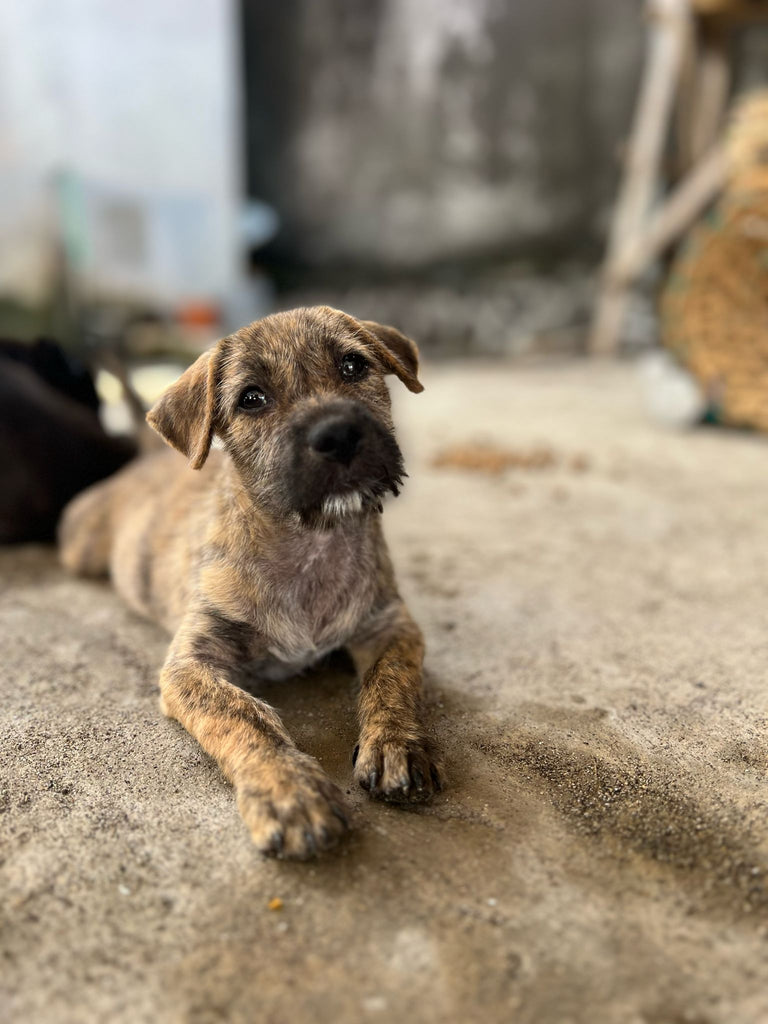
column 713, row 82
column 683, row 205
column 669, row 25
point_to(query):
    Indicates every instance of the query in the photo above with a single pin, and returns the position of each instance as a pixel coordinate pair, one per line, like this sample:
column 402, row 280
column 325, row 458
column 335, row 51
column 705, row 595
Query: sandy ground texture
column 598, row 640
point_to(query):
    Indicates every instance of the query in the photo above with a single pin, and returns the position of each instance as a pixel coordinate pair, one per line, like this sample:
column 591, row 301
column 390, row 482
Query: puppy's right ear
column 184, row 415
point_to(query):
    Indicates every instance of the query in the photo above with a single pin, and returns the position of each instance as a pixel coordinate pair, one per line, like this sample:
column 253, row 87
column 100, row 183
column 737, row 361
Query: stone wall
column 395, row 135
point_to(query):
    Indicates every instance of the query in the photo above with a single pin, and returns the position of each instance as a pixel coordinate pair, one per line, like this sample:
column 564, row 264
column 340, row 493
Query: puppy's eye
column 353, row 366
column 252, row 399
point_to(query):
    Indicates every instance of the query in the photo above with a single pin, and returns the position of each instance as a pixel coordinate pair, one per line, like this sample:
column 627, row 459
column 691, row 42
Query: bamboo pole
column 669, row 26
column 693, row 194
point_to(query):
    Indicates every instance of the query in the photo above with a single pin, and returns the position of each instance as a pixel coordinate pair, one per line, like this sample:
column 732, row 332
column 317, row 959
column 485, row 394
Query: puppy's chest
column 313, row 593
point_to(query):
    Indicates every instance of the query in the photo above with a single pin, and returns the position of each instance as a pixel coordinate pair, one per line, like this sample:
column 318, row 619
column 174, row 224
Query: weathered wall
column 400, row 133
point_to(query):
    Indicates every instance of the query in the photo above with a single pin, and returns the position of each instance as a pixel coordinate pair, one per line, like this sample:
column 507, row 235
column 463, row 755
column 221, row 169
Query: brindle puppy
column 270, row 557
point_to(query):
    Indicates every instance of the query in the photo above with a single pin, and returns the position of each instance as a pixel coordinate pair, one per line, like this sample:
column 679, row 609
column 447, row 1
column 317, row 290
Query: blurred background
column 171, row 170
column 448, row 164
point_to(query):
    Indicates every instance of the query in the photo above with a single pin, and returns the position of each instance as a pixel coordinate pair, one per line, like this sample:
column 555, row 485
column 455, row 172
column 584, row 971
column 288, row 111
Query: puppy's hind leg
column 85, row 532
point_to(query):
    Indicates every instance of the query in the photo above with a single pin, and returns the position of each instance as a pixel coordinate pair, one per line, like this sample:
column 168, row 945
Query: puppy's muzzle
column 339, row 449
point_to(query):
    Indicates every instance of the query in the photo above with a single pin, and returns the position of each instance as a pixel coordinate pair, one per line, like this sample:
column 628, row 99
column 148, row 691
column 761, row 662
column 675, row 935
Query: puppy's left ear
column 184, row 414
column 398, row 353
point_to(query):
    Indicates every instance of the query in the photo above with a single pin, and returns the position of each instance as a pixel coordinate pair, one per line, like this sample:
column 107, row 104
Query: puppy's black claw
column 341, row 816
column 372, row 780
column 418, row 778
column 436, row 779
column 326, row 839
column 355, row 752
column 275, row 844
column 310, row 843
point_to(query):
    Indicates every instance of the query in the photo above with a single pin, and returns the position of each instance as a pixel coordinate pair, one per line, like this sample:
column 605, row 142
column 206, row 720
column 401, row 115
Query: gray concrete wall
column 400, row 133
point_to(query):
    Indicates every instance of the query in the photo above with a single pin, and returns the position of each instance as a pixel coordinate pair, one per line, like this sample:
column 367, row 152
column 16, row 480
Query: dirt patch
column 477, row 457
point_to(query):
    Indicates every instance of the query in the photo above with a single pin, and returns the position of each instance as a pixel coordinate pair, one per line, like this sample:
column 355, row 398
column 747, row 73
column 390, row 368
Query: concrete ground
column 598, row 642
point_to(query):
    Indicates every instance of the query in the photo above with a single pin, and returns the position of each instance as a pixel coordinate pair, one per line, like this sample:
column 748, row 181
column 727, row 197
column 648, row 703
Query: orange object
column 197, row 314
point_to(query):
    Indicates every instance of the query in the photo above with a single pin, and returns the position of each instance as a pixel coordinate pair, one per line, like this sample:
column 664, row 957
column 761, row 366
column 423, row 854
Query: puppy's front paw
column 399, row 769
column 292, row 808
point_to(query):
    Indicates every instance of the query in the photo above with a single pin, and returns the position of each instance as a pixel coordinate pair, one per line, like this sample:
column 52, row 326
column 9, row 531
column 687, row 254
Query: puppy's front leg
column 285, row 798
column 394, row 759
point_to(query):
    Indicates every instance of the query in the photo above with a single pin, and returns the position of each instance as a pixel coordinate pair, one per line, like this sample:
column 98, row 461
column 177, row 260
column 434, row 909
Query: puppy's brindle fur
column 271, row 556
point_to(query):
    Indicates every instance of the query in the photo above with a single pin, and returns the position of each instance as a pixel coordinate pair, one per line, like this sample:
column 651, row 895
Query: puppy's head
column 300, row 403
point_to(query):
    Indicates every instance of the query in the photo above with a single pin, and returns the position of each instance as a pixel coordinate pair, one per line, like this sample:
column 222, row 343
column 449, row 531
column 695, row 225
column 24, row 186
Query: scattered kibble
column 275, row 904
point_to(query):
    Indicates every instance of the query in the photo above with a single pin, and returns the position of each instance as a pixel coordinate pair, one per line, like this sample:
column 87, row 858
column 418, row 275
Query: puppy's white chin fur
column 337, row 506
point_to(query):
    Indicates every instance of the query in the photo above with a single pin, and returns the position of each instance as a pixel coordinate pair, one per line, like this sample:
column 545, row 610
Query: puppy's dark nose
column 335, row 438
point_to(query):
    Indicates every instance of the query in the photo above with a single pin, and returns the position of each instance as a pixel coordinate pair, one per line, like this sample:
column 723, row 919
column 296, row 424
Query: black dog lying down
column 52, row 444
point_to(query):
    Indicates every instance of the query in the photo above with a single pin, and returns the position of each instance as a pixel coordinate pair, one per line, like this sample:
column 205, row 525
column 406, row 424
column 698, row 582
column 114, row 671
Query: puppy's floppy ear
column 398, row 353
column 185, row 412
